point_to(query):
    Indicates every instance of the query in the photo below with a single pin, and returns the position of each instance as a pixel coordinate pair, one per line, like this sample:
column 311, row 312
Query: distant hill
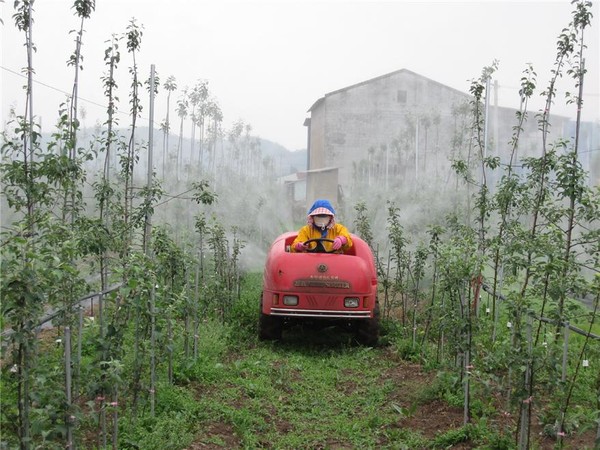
column 286, row 161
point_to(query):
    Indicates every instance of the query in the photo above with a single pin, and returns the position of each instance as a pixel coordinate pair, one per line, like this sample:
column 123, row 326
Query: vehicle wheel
column 368, row 330
column 269, row 327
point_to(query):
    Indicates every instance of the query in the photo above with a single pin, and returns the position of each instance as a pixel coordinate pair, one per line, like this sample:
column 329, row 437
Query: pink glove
column 300, row 247
column 338, row 242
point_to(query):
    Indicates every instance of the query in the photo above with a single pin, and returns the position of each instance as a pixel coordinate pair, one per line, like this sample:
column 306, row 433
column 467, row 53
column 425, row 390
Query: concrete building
column 402, row 131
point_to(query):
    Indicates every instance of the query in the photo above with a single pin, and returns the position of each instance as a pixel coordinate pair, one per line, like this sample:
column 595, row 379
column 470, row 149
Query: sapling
column 24, row 300
column 435, row 232
column 83, row 9
column 51, row 250
column 219, row 245
column 171, row 267
column 182, row 112
column 214, row 131
column 105, row 198
column 202, row 195
column 384, row 278
column 198, row 97
column 133, row 36
column 570, row 175
column 567, row 179
column 416, row 272
column 505, row 195
column 399, row 256
column 483, row 202
column 201, row 228
column 234, row 270
column 170, row 86
column 458, row 261
column 362, row 223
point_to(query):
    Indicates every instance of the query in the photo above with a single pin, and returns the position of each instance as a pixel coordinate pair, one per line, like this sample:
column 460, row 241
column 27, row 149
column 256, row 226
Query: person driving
column 321, row 224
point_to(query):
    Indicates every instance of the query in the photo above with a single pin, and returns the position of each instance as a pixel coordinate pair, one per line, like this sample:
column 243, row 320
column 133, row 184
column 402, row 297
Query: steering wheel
column 316, row 247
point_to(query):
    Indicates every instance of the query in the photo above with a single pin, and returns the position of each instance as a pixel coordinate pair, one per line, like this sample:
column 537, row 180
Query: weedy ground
column 320, row 390
column 311, row 390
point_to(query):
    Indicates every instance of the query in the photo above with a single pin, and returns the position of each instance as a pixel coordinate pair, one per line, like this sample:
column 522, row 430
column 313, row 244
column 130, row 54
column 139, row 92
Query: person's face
column 322, row 220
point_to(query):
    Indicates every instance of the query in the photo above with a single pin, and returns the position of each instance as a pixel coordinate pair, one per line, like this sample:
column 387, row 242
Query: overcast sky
column 267, row 62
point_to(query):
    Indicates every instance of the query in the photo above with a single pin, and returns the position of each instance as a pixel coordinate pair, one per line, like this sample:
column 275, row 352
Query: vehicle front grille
column 326, row 302
column 334, row 314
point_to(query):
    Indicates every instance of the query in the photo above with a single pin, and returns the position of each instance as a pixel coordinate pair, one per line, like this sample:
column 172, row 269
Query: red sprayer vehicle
column 320, row 289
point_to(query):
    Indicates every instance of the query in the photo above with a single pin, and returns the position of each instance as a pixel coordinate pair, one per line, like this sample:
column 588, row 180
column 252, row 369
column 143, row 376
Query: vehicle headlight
column 290, row 300
column 351, row 302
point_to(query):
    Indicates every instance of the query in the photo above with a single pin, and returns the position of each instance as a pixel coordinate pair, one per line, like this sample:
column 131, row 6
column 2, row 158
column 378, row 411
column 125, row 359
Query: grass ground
column 321, row 391
column 312, row 390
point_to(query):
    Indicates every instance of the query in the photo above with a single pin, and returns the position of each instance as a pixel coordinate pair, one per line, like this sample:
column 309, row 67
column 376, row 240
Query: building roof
column 387, row 75
column 380, row 77
column 293, row 177
column 322, row 169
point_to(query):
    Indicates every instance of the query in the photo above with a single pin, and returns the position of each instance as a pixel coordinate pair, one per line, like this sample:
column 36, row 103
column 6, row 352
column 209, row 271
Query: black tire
column 269, row 327
column 368, row 330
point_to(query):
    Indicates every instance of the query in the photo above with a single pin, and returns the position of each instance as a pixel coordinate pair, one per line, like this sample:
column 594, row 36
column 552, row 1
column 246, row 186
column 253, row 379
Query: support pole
column 148, row 224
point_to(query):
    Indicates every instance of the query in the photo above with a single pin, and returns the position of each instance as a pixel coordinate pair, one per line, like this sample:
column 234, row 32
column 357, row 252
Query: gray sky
column 267, row 62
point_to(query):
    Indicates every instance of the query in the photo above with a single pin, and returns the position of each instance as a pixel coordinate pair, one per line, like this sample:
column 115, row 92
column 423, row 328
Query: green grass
column 310, row 393
column 314, row 389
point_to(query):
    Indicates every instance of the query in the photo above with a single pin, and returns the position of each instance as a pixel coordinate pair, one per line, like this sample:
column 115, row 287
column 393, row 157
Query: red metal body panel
column 321, row 281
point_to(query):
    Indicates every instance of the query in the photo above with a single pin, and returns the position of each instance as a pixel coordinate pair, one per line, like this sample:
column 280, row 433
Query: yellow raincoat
column 310, row 232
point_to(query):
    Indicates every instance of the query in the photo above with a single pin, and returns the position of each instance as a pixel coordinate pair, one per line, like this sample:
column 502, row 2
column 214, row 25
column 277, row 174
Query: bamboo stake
column 79, row 347
column 526, row 404
column 152, row 352
column 68, row 379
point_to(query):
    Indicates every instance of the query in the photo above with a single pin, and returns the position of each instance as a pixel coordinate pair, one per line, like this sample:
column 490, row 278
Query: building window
column 401, row 97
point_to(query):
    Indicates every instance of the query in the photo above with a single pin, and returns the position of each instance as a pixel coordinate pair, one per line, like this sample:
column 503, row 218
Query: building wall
column 391, row 125
column 322, row 184
column 404, row 129
column 316, row 159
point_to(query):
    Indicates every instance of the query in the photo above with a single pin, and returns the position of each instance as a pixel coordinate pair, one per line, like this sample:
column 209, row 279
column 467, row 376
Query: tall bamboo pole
column 147, row 233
